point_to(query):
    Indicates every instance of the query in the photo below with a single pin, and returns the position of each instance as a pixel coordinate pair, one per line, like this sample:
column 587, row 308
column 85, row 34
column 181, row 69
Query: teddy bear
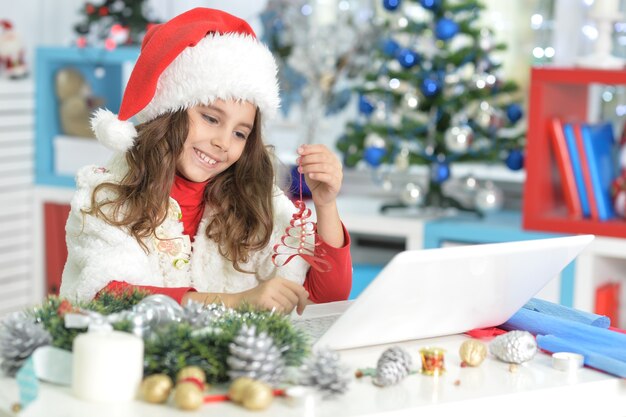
column 76, row 103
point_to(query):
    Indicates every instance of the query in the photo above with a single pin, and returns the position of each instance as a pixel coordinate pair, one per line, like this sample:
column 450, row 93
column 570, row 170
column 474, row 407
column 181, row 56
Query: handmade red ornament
column 296, row 240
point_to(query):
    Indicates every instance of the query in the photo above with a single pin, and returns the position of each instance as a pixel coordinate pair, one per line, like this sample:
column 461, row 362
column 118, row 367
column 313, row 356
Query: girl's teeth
column 206, row 159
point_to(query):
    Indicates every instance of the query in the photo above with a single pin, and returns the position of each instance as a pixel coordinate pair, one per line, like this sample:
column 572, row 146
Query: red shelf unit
column 559, row 92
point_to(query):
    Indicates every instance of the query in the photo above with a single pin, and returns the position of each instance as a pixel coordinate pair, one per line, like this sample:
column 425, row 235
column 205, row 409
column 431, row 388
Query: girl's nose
column 221, row 140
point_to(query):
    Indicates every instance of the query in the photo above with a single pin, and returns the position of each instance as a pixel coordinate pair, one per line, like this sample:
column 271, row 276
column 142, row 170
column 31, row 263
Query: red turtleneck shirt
column 322, row 286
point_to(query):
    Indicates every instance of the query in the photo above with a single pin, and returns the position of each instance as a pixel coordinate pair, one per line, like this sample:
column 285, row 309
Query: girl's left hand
column 322, row 171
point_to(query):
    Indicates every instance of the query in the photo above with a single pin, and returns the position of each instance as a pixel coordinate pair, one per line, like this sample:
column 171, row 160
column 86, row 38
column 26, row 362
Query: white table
column 535, row 389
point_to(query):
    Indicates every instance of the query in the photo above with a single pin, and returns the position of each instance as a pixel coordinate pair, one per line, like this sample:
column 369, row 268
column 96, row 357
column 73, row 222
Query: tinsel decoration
column 516, row 346
column 254, row 355
column 200, row 315
column 20, row 335
column 301, row 239
column 392, row 367
column 324, row 371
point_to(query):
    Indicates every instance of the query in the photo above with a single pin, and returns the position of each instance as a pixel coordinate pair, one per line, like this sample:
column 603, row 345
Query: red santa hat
column 195, row 58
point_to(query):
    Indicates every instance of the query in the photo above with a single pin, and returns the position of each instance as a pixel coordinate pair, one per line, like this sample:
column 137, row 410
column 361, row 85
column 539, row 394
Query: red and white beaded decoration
column 296, row 240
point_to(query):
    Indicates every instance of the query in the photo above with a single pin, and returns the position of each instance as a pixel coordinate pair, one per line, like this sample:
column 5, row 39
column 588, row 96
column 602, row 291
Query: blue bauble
column 430, row 87
column 294, row 189
column 514, row 112
column 365, row 106
column 390, row 47
column 407, row 58
column 446, row 29
column 515, row 160
column 373, row 155
column 440, row 172
column 431, row 4
column 391, row 4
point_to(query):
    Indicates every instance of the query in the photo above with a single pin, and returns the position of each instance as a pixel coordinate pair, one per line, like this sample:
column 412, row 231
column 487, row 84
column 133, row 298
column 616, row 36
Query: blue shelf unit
column 505, row 226
column 102, row 69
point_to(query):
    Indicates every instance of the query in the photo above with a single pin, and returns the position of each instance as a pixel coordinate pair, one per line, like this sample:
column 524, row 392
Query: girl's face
column 217, row 137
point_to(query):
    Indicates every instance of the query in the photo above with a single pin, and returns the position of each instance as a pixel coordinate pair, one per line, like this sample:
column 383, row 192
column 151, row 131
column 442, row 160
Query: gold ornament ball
column 188, row 396
column 257, row 396
column 473, row 352
column 156, row 388
column 191, row 372
column 237, row 388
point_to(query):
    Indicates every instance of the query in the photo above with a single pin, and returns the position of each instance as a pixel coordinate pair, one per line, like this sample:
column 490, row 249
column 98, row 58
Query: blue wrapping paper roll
column 602, row 341
column 557, row 310
column 592, row 358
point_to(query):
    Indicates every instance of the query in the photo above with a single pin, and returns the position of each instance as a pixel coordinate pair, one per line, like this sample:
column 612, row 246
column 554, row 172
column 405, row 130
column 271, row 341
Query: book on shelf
column 607, row 301
column 584, row 169
column 572, row 147
column 599, row 149
column 564, row 165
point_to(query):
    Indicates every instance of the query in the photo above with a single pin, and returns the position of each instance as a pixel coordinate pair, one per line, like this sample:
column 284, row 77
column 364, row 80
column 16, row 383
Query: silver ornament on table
column 20, row 335
column 392, row 367
column 412, row 195
column 255, row 356
column 459, row 138
column 516, row 346
column 152, row 312
column 489, row 198
column 324, row 371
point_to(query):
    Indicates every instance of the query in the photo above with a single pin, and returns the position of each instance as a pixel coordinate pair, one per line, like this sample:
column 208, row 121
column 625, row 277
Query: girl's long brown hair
column 239, row 199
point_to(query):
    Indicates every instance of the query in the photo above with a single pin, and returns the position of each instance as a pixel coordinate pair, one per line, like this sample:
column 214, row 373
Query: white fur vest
column 99, row 253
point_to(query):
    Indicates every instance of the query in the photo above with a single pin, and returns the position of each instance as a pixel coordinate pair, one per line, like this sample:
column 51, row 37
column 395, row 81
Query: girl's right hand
column 276, row 293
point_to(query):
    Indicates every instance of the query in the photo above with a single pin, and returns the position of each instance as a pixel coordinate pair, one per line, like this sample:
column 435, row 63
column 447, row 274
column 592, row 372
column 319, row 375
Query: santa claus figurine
column 12, row 64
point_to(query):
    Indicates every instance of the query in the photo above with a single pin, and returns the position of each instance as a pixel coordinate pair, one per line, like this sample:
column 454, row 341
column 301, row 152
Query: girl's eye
column 209, row 118
column 241, row 135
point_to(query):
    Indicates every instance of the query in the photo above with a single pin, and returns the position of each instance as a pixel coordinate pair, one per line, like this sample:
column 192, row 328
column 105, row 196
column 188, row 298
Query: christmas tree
column 434, row 95
column 112, row 23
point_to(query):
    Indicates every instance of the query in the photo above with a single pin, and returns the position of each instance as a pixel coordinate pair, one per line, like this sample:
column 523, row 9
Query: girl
column 188, row 207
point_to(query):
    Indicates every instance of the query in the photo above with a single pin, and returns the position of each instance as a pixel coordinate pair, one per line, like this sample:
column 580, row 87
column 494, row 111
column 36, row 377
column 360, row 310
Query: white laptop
column 436, row 292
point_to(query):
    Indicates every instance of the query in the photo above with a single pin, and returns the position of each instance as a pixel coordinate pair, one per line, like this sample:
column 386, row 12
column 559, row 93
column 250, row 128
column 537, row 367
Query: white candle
column 605, row 8
column 107, row 366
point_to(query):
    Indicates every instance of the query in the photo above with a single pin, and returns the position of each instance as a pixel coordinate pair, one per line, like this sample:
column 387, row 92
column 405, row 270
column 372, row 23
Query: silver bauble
column 459, row 138
column 402, row 159
column 374, row 140
column 470, row 184
column 489, row 199
column 154, row 311
column 410, row 101
column 517, row 346
column 412, row 195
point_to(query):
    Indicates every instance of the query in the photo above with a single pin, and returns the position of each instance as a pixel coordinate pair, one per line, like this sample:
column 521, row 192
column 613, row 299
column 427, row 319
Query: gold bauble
column 188, row 396
column 473, row 352
column 191, row 372
column 236, row 390
column 257, row 396
column 156, row 388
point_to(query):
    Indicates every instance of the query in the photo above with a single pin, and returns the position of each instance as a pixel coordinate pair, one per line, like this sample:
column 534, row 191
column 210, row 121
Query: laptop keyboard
column 315, row 327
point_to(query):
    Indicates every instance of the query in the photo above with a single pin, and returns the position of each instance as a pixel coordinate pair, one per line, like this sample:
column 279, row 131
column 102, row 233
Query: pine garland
column 173, row 346
column 176, row 346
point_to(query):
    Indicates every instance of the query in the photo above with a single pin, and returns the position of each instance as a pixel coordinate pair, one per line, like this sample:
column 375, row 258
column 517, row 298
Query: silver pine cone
column 516, row 346
column 392, row 366
column 324, row 371
column 255, row 356
column 19, row 337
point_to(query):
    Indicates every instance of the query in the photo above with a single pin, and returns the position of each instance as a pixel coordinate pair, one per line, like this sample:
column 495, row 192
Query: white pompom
column 113, row 133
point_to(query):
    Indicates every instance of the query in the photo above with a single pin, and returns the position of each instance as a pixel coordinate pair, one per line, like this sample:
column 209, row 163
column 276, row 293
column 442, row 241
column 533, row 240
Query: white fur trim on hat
column 228, row 66
column 113, row 133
